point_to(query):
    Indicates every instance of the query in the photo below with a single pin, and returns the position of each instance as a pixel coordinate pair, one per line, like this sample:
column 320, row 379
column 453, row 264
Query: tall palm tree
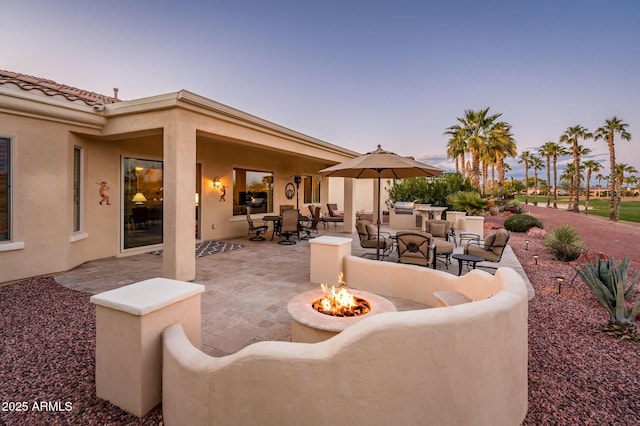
column 525, row 158
column 591, row 166
column 621, row 169
column 571, row 136
column 536, row 164
column 600, row 177
column 457, row 146
column 547, row 151
column 608, row 132
column 477, row 125
column 502, row 145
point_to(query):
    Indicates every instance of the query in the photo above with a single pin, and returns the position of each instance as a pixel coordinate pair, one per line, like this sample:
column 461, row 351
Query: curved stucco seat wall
column 463, row 364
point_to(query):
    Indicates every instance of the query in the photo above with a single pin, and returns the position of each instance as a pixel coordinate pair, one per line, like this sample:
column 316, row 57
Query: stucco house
column 85, row 176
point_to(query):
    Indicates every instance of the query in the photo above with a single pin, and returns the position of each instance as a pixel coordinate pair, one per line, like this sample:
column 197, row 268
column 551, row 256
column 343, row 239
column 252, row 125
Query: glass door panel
column 142, row 203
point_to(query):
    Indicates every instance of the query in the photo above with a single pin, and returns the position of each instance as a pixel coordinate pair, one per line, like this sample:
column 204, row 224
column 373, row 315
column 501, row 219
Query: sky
column 354, row 73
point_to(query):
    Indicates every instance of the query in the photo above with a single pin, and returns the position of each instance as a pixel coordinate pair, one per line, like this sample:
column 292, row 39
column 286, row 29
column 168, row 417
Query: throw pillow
column 500, row 241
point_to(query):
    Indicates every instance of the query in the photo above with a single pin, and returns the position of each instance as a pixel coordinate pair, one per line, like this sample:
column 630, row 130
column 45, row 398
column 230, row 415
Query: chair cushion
column 443, row 247
column 488, row 242
column 502, row 236
column 372, row 230
column 361, row 227
column 477, row 250
column 438, row 230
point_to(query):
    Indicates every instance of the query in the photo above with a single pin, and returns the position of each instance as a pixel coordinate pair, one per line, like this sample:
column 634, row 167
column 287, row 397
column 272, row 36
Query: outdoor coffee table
column 468, row 258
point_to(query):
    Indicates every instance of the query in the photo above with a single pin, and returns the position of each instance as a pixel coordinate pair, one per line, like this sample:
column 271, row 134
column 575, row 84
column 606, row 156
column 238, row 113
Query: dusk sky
column 354, row 73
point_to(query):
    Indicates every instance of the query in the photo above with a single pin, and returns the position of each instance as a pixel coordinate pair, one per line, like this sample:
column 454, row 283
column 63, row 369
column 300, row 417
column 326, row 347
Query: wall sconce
column 535, row 258
column 215, row 183
column 560, row 280
column 197, row 199
column 526, row 244
column 139, row 198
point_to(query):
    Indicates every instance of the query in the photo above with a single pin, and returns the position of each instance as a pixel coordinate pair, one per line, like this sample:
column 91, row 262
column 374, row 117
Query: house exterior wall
column 44, row 132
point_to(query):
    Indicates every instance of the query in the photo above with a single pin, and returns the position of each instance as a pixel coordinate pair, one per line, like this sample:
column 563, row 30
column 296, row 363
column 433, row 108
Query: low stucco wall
column 464, row 364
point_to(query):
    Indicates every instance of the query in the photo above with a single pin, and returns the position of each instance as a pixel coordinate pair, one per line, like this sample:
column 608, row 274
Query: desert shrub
column 521, row 223
column 564, row 242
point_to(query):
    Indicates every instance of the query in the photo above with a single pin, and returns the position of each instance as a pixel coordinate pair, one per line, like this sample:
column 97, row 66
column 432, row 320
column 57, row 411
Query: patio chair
column 334, row 216
column 312, row 225
column 416, row 248
column 441, row 231
column 253, row 229
column 491, row 249
column 290, row 226
column 368, row 235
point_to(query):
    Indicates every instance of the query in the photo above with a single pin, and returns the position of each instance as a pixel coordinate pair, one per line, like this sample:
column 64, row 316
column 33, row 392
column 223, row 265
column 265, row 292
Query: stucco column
column 179, row 145
column 349, row 205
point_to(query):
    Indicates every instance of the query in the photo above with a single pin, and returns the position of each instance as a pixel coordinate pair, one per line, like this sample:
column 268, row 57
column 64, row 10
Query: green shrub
column 564, row 243
column 470, row 202
column 521, row 223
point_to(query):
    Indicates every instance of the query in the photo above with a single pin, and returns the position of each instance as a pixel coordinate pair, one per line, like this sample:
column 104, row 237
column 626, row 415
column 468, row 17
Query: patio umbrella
column 380, row 164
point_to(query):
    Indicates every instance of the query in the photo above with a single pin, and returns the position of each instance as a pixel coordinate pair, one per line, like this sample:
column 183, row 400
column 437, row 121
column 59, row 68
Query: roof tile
column 51, row 88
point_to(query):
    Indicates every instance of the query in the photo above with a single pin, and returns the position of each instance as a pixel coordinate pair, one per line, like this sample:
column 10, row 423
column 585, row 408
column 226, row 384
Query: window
column 77, row 187
column 311, row 189
column 5, row 189
column 253, row 189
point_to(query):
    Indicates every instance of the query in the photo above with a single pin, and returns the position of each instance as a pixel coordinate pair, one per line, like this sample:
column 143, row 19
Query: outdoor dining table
column 276, row 219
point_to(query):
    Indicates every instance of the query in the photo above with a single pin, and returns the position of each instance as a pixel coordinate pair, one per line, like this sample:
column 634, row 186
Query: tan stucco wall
column 465, row 364
column 44, row 132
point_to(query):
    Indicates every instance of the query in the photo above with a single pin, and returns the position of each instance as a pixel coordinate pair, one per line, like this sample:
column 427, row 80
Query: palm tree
column 571, row 136
column 536, row 164
column 621, row 169
column 476, row 126
column 600, row 177
column 525, row 158
column 457, row 146
column 547, row 151
column 608, row 132
column 555, row 150
column 502, row 145
column 591, row 166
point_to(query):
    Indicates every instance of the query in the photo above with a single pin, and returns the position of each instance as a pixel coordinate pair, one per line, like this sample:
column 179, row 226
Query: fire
column 340, row 303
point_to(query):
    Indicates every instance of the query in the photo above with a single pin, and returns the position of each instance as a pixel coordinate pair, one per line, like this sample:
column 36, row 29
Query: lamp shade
column 139, row 198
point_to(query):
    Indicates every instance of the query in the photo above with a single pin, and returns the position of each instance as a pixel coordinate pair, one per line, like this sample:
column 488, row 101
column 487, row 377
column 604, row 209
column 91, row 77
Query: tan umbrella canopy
column 380, row 164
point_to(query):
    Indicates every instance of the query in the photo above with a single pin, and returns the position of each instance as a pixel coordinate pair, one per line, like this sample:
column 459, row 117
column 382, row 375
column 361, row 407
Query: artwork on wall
column 104, row 198
column 289, row 191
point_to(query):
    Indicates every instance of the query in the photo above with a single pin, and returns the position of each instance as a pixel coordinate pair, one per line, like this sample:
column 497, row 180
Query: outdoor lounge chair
column 290, row 226
column 368, row 235
column 312, row 224
column 491, row 249
column 416, row 248
column 253, row 229
column 441, row 231
column 334, row 216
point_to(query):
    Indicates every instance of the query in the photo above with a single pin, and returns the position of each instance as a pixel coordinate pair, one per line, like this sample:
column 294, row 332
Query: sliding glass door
column 142, row 202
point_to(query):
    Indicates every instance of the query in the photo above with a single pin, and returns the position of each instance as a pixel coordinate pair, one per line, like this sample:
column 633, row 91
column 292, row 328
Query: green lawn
column 629, row 210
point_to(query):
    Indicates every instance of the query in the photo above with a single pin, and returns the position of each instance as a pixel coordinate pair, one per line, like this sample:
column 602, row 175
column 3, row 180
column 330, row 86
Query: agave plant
column 611, row 287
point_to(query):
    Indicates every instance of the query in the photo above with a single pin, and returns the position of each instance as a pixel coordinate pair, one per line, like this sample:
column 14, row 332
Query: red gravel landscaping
column 577, row 375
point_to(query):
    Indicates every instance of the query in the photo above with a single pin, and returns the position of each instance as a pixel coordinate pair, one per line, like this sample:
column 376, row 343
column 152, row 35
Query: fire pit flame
column 340, row 303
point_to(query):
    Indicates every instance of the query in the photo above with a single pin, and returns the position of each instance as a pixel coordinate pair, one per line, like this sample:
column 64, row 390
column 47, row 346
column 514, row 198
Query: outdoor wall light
column 560, row 280
column 215, row 183
column 197, row 199
column 535, row 258
column 526, row 242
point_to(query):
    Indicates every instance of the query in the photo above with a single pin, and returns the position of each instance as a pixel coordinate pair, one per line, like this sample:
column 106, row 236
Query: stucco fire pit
column 311, row 326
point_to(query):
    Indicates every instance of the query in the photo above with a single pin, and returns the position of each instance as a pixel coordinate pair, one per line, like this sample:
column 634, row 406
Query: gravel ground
column 577, row 375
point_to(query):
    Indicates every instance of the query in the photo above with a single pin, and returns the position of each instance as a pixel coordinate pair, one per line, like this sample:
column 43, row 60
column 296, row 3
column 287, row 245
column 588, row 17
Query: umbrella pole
column 378, row 240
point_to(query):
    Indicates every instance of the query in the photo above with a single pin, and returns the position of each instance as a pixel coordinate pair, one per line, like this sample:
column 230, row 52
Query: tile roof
column 51, row 88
